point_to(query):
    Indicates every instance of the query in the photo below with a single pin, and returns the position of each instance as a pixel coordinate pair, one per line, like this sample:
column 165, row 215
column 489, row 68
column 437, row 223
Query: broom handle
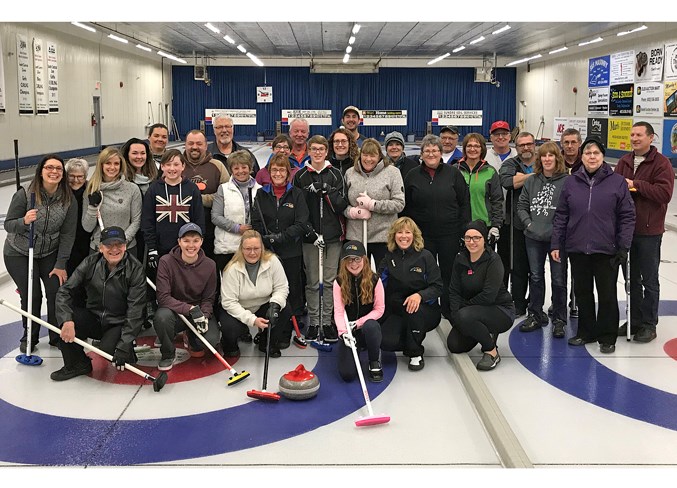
column 353, row 348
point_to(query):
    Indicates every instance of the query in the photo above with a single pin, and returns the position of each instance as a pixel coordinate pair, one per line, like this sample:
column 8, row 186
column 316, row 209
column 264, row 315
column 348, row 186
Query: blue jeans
column 536, row 254
column 645, row 257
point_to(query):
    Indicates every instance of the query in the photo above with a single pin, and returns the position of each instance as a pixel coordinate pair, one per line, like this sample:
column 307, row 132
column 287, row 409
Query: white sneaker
column 416, row 363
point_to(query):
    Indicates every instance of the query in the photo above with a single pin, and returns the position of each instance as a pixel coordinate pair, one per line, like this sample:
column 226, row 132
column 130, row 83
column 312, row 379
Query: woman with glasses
column 375, row 194
column 594, row 223
column 77, row 169
column 343, row 150
column 437, row 199
column 47, row 205
column 281, row 145
column 481, row 307
column 280, row 214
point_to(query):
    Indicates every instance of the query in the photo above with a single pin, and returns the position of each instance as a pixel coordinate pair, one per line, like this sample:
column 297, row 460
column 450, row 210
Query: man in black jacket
column 116, row 300
column 224, row 143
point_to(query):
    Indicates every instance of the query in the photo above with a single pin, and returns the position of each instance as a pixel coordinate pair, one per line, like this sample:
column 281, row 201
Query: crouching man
column 116, row 300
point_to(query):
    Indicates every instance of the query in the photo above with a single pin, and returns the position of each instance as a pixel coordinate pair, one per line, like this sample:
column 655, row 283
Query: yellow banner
column 619, row 134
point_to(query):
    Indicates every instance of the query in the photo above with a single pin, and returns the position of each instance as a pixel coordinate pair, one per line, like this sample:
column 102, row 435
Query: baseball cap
column 351, row 108
column 111, row 235
column 352, row 248
column 394, row 136
column 450, row 128
column 189, row 227
column 499, row 124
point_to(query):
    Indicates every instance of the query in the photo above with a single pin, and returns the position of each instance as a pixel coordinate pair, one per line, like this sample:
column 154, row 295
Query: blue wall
column 417, row 90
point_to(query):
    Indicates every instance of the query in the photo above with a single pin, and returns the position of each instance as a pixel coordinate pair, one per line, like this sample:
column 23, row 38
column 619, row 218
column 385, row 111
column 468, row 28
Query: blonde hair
column 239, row 254
column 405, row 223
column 366, row 286
column 97, row 177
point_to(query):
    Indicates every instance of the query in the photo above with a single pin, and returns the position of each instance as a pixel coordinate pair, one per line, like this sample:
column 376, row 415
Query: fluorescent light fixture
column 83, row 26
column 351, row 40
column 356, row 28
column 346, row 58
column 171, row 56
column 438, row 59
column 119, row 39
column 209, row 26
column 590, row 42
column 558, row 50
column 256, row 60
column 479, row 39
column 349, row 49
column 241, row 48
column 229, row 39
column 144, row 48
column 502, row 29
column 641, row 28
column 523, row 60
column 459, row 48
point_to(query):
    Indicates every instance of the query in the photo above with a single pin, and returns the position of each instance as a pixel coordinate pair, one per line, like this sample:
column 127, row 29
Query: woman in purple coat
column 594, row 223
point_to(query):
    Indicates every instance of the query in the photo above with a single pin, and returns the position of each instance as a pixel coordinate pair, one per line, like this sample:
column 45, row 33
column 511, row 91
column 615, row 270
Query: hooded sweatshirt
column 537, row 204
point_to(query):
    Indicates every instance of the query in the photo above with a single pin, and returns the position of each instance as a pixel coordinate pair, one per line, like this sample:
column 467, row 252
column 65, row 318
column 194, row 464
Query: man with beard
column 513, row 173
column 207, row 173
column 224, row 144
column 351, row 120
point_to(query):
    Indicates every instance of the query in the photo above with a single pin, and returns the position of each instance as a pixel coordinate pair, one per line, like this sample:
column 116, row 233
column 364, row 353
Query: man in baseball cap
column 350, row 119
column 449, row 137
column 499, row 134
column 189, row 227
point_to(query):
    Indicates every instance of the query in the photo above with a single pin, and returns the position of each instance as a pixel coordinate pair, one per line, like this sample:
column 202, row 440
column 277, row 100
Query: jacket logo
column 416, row 269
column 288, row 205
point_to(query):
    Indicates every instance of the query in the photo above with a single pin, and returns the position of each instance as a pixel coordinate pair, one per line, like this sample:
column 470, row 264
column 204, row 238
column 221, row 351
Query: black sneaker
column 245, row 337
column 330, row 333
column 558, row 328
column 274, row 351
column 645, row 335
column 607, row 348
column 531, row 323
column 23, row 347
column 488, row 362
column 623, row 330
column 417, row 363
column 67, row 373
column 375, row 372
column 313, row 332
column 284, row 344
column 573, row 312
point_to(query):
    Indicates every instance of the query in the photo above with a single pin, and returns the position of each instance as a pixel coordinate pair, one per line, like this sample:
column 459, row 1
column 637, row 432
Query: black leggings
column 367, row 337
column 231, row 328
column 477, row 323
column 403, row 331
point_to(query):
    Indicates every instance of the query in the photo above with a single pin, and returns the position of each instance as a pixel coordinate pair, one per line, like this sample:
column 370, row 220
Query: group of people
column 156, row 237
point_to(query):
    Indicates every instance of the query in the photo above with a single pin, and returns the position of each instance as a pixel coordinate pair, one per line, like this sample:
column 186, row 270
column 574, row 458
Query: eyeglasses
column 281, row 147
column 525, row 145
column 353, row 259
column 592, row 153
column 318, row 149
column 251, row 249
column 76, row 177
column 221, row 127
column 50, row 168
column 431, row 152
column 473, row 146
column 277, row 170
column 340, row 142
column 501, row 134
column 472, row 238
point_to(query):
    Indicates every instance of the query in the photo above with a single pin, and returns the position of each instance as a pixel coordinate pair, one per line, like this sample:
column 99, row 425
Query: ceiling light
column 241, row 48
column 590, row 42
column 229, row 39
column 459, row 48
column 356, row 28
column 523, row 60
column 558, row 50
column 479, row 39
column 119, row 39
column 171, row 56
column 86, row 27
column 209, row 26
column 502, row 29
column 349, row 49
column 144, row 48
column 256, row 60
column 351, row 40
column 438, row 59
column 641, row 28
column 346, row 57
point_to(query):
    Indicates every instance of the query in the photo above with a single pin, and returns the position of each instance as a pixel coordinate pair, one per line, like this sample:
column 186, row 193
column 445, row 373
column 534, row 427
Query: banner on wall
column 384, row 117
column 649, row 63
column 599, row 128
column 264, row 94
column 2, row 80
column 456, row 117
column 240, row 116
column 562, row 123
column 670, row 63
column 41, row 102
column 620, row 100
column 598, row 101
column 24, row 76
column 52, row 78
column 619, row 134
column 598, row 71
column 314, row 117
column 622, row 68
column 670, row 99
column 670, row 138
column 657, row 125
column 649, row 99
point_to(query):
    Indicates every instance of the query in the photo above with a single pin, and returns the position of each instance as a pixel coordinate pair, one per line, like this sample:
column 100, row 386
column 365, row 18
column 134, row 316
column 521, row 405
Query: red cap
column 499, row 124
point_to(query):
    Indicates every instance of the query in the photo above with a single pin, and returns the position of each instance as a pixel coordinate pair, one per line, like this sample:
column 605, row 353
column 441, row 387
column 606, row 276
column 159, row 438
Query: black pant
column 478, row 323
column 88, row 325
column 518, row 274
column 367, row 337
column 17, row 267
column 595, row 271
column 378, row 250
column 293, row 270
column 231, row 328
column 403, row 331
column 445, row 249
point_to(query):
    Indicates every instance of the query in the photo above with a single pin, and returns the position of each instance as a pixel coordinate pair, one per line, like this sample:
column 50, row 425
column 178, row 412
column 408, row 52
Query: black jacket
column 405, row 164
column 509, row 169
column 118, row 297
column 356, row 308
column 441, row 205
column 216, row 154
column 404, row 273
column 288, row 216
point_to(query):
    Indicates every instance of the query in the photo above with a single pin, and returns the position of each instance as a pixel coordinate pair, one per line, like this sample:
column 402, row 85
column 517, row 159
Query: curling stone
column 299, row 384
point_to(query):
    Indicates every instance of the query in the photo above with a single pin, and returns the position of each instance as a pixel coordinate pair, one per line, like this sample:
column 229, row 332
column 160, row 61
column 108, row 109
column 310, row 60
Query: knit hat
column 352, row 249
column 479, row 226
column 394, row 137
column 595, row 141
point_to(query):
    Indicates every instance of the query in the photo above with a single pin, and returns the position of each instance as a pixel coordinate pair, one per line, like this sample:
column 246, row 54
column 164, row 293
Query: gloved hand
column 152, row 260
column 348, row 340
column 319, row 187
column 353, row 326
column 619, row 258
column 273, row 238
column 357, row 213
column 273, row 314
column 199, row 319
column 120, row 357
column 319, row 242
column 494, row 235
column 366, row 201
column 95, row 198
